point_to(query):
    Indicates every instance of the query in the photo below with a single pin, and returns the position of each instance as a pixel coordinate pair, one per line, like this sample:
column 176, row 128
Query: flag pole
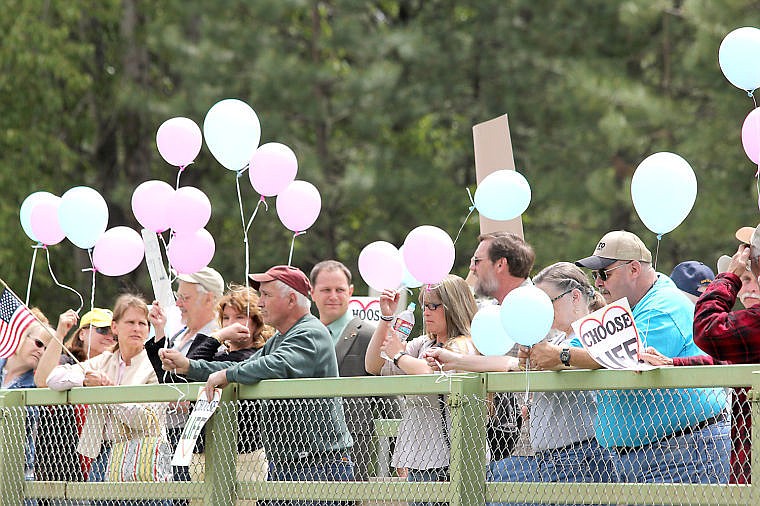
column 46, row 327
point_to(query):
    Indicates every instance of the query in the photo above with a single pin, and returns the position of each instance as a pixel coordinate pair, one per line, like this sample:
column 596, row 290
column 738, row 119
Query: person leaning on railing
column 423, row 444
column 304, row 439
column 127, row 364
column 734, row 337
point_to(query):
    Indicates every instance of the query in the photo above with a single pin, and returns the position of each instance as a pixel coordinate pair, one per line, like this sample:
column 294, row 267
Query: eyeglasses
column 432, row 305
column 554, row 299
column 103, row 331
column 475, row 261
column 180, row 297
column 605, row 274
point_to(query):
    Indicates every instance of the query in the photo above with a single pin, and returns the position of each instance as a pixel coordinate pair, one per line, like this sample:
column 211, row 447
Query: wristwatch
column 564, row 357
column 398, row 356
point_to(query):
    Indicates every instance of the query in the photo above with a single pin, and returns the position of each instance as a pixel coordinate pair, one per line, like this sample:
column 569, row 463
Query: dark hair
column 244, row 300
column 329, row 265
column 567, row 276
column 519, row 254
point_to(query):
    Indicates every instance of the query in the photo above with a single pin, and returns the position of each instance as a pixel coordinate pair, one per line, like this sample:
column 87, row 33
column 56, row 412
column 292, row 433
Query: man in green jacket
column 305, row 439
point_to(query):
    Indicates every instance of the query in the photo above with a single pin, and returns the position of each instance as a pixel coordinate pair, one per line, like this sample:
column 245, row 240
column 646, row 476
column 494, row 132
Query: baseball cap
column 291, row 276
column 744, row 234
column 208, row 278
column 690, row 276
column 723, row 262
column 617, row 245
column 97, row 317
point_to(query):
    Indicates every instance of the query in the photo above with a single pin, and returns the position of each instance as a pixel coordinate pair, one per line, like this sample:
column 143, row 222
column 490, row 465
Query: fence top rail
column 666, row 377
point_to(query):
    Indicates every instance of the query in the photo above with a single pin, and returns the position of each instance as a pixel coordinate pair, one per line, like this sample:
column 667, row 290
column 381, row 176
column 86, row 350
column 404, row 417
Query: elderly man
column 304, row 439
column 350, row 335
column 656, row 435
column 197, row 298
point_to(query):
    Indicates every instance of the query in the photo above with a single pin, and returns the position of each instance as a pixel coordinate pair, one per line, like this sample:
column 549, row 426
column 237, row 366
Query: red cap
column 291, row 276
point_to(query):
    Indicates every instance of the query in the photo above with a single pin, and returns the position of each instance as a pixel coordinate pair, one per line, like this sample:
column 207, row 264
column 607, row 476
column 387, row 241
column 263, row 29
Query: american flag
column 15, row 318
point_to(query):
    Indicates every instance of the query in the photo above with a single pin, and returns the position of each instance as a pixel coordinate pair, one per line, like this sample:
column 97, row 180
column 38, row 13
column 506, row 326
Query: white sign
column 609, row 335
column 365, row 308
column 202, row 411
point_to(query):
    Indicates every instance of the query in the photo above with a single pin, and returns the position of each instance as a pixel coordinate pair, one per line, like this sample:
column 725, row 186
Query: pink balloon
column 118, row 251
column 751, row 135
column 298, row 205
column 381, row 266
column 179, row 141
column 45, row 224
column 429, row 254
column 273, row 167
column 191, row 252
column 190, row 210
column 151, row 204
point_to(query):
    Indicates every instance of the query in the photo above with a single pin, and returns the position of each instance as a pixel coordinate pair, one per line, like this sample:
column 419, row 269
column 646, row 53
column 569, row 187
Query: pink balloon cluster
column 159, row 207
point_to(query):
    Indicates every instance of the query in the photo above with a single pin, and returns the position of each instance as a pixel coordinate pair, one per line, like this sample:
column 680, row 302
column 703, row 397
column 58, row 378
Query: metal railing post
column 12, row 444
column 467, row 467
column 220, row 482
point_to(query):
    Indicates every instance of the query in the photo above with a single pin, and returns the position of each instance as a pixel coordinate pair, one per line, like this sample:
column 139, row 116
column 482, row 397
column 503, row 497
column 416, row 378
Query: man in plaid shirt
column 733, row 337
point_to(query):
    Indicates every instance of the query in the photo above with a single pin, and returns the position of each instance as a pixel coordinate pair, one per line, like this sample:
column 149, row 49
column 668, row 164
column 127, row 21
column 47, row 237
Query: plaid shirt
column 731, row 337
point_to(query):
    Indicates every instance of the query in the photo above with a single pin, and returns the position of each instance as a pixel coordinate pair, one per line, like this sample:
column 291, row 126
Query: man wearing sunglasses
column 655, row 435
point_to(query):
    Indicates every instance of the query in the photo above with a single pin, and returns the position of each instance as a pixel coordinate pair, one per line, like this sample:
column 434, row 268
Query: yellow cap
column 97, row 317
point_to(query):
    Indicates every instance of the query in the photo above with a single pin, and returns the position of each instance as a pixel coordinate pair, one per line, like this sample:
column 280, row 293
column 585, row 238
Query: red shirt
column 731, row 337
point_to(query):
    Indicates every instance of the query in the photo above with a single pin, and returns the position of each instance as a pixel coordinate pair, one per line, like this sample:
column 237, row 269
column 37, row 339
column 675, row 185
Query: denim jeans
column 436, row 474
column 515, row 470
column 337, row 470
column 698, row 457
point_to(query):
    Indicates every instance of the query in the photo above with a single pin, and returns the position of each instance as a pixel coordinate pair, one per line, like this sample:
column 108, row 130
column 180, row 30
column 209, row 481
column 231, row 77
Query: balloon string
column 245, row 235
column 472, row 208
column 52, row 275
column 94, row 271
column 657, row 251
column 527, row 379
column 179, row 173
column 168, row 263
column 262, row 200
column 292, row 244
column 31, row 271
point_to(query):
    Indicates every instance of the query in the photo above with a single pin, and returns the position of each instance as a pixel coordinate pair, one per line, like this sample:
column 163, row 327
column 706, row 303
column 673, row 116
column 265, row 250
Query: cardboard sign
column 365, row 308
column 609, row 335
column 202, row 411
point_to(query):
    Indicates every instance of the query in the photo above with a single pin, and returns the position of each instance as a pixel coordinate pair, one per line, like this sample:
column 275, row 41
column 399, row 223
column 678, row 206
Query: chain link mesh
column 437, row 441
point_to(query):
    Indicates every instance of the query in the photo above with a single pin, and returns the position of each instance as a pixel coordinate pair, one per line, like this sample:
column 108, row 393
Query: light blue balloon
column 488, row 334
column 25, row 213
column 83, row 216
column 527, row 314
column 502, row 195
column 408, row 280
column 739, row 58
column 232, row 132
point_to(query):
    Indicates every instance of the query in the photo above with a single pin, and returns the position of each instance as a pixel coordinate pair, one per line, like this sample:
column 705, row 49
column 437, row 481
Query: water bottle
column 402, row 326
column 404, row 323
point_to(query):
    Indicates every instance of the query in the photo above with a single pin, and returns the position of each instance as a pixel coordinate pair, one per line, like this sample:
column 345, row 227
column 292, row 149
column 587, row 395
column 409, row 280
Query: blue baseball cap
column 690, row 276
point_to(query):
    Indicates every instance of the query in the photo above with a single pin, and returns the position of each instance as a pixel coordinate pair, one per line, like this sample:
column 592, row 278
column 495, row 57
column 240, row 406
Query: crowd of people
column 267, row 331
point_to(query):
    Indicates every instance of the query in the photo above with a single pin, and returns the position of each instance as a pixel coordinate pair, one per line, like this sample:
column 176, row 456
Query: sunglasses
column 554, row 299
column 604, row 274
column 38, row 343
column 103, row 331
column 432, row 305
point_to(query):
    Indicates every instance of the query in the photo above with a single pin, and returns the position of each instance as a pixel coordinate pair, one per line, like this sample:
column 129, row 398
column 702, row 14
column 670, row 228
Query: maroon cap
column 291, row 276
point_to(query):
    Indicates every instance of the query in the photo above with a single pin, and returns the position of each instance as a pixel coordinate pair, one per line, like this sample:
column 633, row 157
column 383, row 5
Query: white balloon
column 232, row 132
column 83, row 215
column 663, row 189
column 28, row 205
column 739, row 58
column 527, row 314
column 488, row 334
column 503, row 195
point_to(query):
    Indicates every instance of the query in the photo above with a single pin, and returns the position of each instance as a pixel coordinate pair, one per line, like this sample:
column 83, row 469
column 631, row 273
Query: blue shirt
column 664, row 318
column 26, row 380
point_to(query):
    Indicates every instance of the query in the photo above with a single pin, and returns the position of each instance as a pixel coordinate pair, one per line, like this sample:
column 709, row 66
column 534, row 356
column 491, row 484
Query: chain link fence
column 503, row 439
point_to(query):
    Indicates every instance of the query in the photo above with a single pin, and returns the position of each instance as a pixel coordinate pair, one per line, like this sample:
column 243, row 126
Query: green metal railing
column 466, row 396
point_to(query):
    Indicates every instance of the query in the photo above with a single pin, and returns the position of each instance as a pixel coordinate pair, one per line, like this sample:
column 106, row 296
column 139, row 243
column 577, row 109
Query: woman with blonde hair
column 423, row 437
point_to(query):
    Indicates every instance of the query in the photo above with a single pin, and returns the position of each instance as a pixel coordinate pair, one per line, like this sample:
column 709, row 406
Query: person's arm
column 721, row 333
column 545, row 356
column 51, row 357
column 373, row 362
column 451, row 360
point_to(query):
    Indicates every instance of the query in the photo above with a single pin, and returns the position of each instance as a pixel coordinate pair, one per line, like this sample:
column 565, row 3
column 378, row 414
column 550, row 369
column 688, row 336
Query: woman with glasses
column 423, row 436
column 562, row 423
column 17, row 371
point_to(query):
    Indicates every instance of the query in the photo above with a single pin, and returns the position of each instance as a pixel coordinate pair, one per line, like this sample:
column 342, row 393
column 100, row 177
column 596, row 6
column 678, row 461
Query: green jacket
column 299, row 431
